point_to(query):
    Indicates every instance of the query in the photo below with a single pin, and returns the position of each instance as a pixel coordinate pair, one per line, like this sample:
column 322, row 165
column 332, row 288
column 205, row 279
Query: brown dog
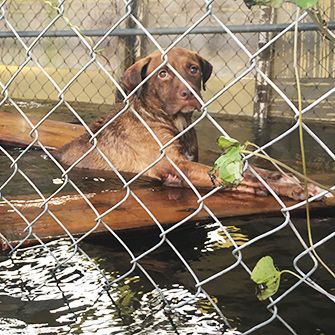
column 165, row 105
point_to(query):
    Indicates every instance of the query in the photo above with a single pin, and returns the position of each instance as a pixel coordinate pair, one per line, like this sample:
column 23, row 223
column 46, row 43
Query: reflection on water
column 217, row 239
column 74, row 299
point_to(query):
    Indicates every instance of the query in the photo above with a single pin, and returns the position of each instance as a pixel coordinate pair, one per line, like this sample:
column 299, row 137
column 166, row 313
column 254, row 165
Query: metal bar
column 251, row 28
column 262, row 88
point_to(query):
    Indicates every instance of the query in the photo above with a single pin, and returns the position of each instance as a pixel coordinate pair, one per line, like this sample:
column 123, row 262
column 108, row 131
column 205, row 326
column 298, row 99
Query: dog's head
column 165, row 88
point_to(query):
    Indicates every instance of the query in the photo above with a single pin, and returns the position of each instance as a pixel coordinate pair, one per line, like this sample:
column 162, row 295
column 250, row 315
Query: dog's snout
column 186, row 94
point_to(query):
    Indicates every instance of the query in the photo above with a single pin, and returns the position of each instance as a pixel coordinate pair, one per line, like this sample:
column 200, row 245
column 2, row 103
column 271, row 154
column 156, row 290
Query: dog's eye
column 194, row 69
column 162, row 74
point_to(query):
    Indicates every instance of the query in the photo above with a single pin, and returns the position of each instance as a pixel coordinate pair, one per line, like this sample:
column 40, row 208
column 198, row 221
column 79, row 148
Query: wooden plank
column 14, row 130
column 169, row 206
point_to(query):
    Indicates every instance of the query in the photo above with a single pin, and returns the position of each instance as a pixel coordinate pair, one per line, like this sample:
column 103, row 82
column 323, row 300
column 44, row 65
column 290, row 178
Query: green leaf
column 305, row 4
column 267, row 277
column 225, row 143
column 230, row 165
column 269, row 3
column 231, row 173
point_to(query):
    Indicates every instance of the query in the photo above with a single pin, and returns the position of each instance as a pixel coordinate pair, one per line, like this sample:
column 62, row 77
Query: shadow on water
column 75, row 299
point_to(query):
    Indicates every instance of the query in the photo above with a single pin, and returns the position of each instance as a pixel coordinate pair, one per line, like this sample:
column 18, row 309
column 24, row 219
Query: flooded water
column 76, row 298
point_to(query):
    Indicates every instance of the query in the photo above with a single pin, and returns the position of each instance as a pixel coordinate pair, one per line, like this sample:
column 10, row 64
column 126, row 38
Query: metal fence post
column 262, row 89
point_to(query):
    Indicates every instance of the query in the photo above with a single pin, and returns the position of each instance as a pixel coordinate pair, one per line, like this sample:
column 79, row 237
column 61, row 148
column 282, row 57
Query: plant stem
column 302, row 146
column 291, row 273
column 283, row 165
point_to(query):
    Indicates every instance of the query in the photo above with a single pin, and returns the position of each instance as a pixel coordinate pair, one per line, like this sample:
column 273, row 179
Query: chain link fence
column 62, row 55
column 59, row 56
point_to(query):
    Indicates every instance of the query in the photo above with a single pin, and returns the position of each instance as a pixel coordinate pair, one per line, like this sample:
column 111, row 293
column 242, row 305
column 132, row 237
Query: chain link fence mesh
column 60, row 55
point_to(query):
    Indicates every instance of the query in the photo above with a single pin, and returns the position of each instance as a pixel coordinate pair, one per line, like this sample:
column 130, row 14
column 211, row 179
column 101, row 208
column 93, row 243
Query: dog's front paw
column 289, row 186
column 297, row 191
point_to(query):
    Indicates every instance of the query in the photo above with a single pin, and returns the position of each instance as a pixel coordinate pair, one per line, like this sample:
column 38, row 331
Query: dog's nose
column 186, row 94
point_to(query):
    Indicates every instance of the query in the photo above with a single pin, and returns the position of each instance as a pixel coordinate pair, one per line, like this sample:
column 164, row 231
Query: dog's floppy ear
column 206, row 71
column 135, row 74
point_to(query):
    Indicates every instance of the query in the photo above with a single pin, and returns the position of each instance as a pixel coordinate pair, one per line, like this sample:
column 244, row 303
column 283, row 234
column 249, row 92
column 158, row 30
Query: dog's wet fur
column 165, row 105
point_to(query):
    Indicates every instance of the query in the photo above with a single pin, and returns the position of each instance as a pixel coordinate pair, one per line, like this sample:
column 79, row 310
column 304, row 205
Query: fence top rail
column 246, row 28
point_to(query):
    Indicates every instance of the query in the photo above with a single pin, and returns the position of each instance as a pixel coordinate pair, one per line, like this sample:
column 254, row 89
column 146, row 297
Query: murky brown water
column 74, row 300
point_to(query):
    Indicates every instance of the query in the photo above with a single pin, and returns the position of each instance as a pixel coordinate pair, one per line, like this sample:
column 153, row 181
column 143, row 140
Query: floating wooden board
column 169, row 206
column 15, row 130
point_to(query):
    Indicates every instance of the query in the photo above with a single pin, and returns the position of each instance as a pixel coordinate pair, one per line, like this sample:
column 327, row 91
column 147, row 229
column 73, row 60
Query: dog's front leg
column 282, row 184
column 199, row 175
column 196, row 173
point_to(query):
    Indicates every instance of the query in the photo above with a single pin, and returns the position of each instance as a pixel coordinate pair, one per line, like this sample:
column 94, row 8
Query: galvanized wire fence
column 61, row 88
column 63, row 55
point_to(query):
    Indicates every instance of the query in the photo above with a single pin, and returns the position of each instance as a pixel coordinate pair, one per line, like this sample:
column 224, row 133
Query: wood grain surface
column 70, row 214
column 15, row 131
